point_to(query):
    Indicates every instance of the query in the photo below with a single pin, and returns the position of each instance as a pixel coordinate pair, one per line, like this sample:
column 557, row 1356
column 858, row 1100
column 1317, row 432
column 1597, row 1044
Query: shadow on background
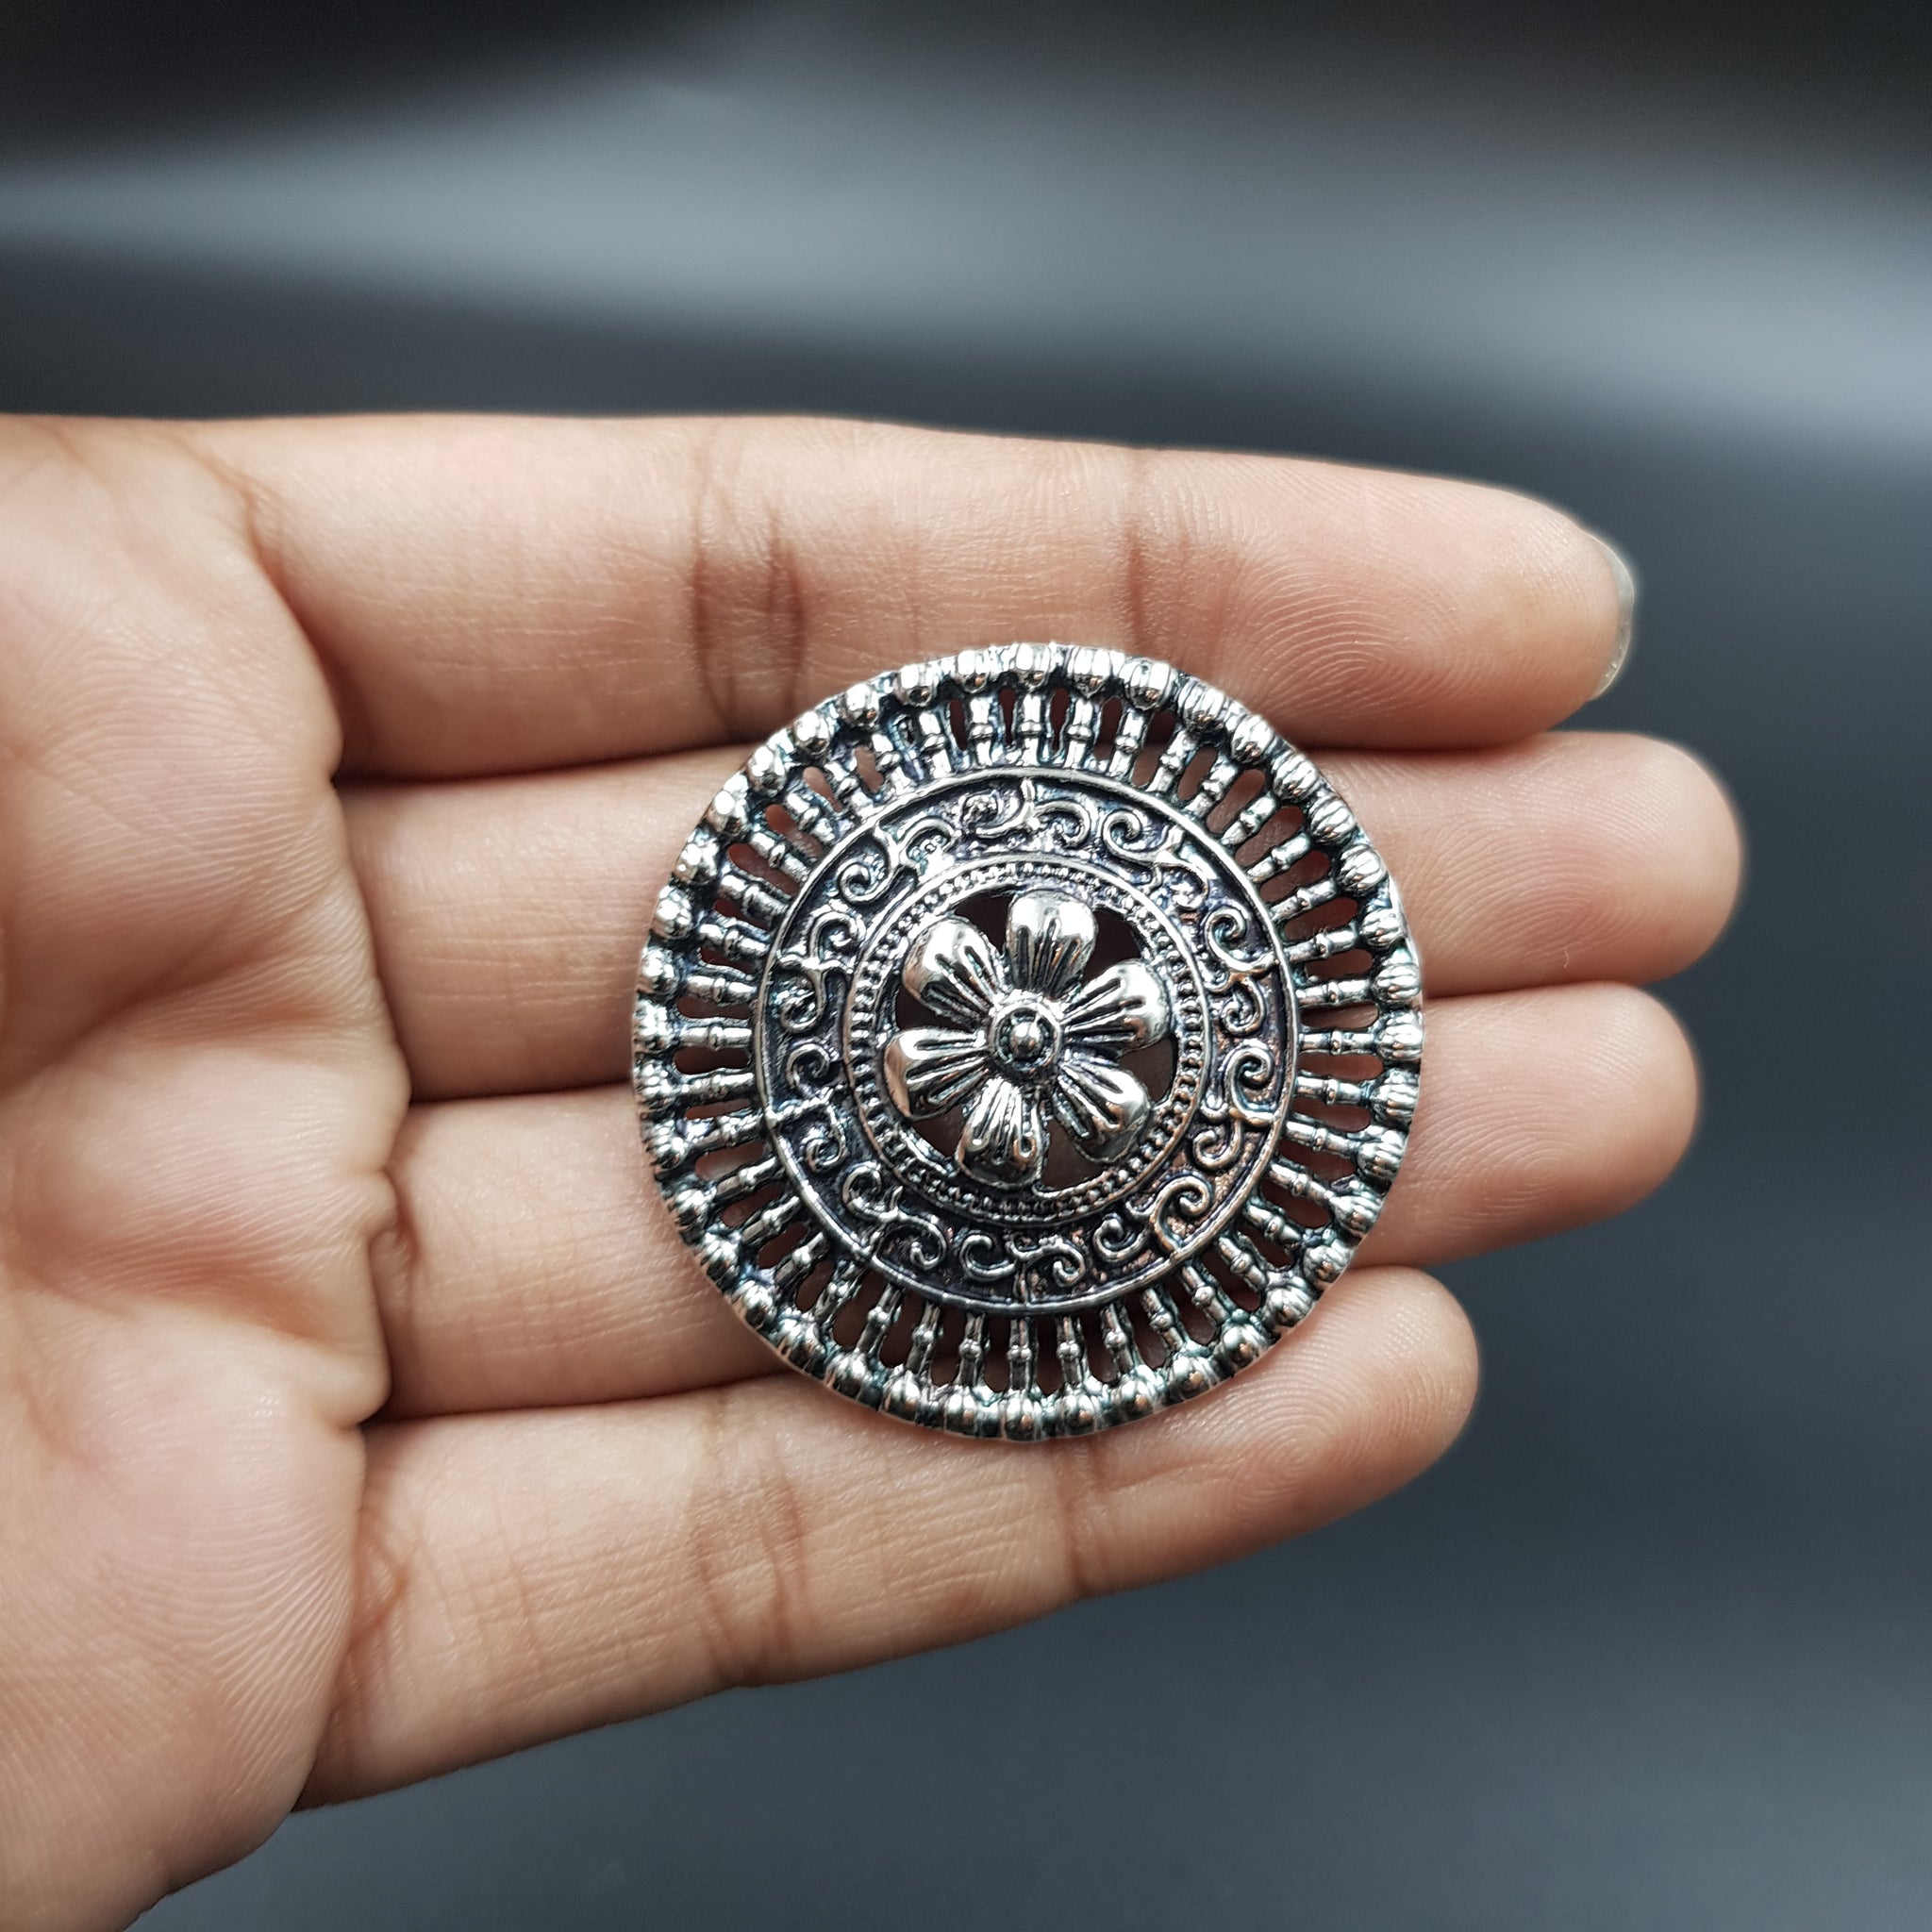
column 1650, row 1649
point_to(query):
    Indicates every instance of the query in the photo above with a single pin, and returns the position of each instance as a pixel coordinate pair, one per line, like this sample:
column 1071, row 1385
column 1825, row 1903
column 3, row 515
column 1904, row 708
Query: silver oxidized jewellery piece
column 1026, row 1039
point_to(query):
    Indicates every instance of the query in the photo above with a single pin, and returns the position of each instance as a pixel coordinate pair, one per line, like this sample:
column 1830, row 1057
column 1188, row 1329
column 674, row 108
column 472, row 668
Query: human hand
column 363, row 1415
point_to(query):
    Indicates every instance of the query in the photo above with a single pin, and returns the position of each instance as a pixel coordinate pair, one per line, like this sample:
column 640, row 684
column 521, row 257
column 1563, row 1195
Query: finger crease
column 255, row 507
column 1076, row 1501
column 395, row 1272
column 382, row 1577
column 748, row 1541
column 744, row 568
column 1135, row 546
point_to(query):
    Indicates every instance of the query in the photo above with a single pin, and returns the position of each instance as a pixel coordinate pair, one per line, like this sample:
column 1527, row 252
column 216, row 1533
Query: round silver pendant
column 1026, row 1039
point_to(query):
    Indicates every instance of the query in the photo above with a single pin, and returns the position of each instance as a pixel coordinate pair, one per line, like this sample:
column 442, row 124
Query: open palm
column 361, row 1415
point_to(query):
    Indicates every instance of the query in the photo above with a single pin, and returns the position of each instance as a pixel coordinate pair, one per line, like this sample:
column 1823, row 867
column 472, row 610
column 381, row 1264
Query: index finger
column 493, row 595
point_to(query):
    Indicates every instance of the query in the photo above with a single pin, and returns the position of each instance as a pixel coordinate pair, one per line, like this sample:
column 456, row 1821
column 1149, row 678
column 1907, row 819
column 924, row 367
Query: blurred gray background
column 1653, row 1647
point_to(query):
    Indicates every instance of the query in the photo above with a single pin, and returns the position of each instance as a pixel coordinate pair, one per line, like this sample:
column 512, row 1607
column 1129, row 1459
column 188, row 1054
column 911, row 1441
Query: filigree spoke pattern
column 803, row 1136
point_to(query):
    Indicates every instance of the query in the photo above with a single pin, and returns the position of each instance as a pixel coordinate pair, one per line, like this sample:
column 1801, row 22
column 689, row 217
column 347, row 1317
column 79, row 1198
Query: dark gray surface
column 1650, row 1649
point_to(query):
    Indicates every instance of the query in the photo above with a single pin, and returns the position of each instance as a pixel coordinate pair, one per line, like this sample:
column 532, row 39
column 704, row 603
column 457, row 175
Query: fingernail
column 1627, row 615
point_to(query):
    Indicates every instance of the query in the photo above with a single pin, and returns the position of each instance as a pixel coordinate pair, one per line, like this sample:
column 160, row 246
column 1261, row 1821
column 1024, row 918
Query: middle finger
column 507, row 913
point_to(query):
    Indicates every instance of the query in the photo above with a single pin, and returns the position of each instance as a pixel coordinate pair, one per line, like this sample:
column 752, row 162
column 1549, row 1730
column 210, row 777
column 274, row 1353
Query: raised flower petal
column 954, row 969
column 1049, row 940
column 929, row 1069
column 1004, row 1141
column 1120, row 1010
column 1103, row 1107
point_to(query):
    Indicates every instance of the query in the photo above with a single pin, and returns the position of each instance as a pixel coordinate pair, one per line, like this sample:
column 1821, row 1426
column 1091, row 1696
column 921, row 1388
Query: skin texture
column 361, row 1416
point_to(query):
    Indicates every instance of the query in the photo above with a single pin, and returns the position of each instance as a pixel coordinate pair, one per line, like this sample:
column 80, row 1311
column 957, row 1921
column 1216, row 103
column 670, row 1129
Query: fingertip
column 1542, row 1110
column 1623, row 581
column 1665, row 1053
column 1577, row 601
column 1507, row 608
column 1708, row 842
column 1361, row 1398
column 1636, row 860
column 1661, row 858
column 1641, row 1085
column 1415, row 1369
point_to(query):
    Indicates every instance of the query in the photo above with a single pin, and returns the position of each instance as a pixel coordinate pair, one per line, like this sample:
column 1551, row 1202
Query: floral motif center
column 1034, row 1042
column 1025, row 1037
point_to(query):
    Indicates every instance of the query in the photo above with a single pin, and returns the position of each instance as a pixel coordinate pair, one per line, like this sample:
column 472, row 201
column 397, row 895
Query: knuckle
column 749, row 590
column 1080, row 1500
column 750, row 1550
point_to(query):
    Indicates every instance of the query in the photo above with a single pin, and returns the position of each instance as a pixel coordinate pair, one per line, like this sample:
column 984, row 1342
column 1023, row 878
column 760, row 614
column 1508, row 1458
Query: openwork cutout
column 1025, row 1040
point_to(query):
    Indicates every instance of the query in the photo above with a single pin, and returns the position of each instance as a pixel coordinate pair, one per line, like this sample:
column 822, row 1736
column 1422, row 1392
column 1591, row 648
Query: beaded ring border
column 1159, row 1164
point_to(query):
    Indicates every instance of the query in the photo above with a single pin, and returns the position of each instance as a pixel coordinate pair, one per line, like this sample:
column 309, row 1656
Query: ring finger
column 536, row 1267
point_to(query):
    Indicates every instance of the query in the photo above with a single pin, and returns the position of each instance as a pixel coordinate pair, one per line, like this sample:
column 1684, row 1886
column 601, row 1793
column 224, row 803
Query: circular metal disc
column 1026, row 1039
